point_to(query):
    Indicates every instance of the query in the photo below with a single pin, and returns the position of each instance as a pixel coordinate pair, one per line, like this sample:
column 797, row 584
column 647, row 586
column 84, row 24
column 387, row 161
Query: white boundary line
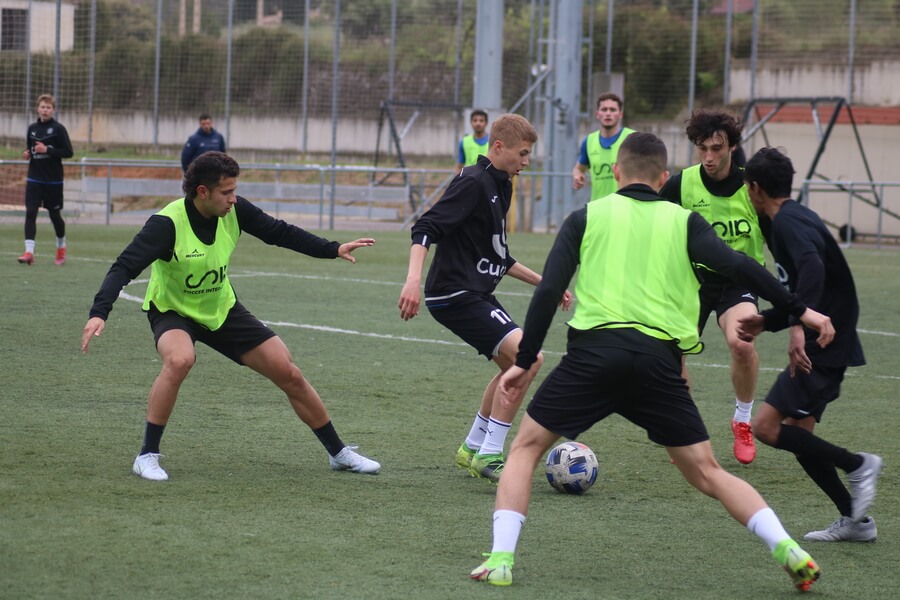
column 403, row 338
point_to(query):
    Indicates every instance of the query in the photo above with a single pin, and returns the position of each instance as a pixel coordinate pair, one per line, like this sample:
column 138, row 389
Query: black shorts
column 805, row 395
column 240, row 333
column 620, row 371
column 46, row 195
column 719, row 298
column 479, row 321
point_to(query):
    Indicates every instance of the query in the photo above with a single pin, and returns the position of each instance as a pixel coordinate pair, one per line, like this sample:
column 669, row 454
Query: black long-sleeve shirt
column 47, row 167
column 812, row 266
column 156, row 241
column 468, row 224
column 704, row 247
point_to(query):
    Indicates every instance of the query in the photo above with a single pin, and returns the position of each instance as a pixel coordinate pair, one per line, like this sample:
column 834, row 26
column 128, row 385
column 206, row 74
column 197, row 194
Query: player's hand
column 410, row 299
column 577, row 180
column 821, row 323
column 566, row 301
column 513, row 384
column 797, row 352
column 751, row 326
column 92, row 329
column 40, row 148
column 346, row 250
column 27, row 155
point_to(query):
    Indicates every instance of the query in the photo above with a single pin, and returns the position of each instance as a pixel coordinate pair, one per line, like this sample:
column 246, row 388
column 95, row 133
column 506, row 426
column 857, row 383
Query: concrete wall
column 876, row 84
column 427, row 136
column 435, row 138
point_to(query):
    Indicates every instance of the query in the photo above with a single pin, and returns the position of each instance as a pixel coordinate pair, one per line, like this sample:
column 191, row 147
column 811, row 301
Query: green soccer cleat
column 464, row 457
column 496, row 570
column 798, row 563
column 487, row 466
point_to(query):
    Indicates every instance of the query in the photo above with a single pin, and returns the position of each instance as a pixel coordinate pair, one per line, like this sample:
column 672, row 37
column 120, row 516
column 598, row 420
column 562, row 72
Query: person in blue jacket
column 203, row 140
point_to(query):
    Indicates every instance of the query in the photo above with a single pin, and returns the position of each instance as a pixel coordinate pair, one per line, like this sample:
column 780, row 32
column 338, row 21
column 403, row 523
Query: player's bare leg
column 489, row 461
column 698, row 465
column 272, row 359
column 176, row 349
column 744, row 375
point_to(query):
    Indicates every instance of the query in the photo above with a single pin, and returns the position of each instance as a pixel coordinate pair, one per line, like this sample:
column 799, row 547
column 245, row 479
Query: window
column 13, row 29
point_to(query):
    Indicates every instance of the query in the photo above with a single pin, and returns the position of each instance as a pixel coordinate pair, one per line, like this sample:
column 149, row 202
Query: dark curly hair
column 207, row 170
column 704, row 123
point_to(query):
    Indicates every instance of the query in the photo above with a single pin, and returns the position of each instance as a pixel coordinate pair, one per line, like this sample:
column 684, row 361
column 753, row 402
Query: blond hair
column 512, row 129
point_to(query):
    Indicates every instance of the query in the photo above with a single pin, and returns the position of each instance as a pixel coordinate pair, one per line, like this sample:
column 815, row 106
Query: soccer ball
column 571, row 468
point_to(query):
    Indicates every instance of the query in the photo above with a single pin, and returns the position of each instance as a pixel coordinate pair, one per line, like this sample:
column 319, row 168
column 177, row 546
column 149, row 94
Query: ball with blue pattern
column 571, row 468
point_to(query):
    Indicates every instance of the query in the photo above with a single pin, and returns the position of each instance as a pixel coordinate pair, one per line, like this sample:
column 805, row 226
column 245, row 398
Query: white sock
column 477, row 432
column 495, row 438
column 61, row 242
column 29, row 246
column 507, row 527
column 742, row 411
column 766, row 525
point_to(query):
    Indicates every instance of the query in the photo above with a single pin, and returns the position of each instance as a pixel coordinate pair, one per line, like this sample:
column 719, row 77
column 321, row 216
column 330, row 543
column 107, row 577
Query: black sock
column 152, row 435
column 805, row 443
column 329, row 438
column 825, row 475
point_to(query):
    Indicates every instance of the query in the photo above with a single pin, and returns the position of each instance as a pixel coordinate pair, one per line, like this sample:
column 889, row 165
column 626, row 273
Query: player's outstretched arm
column 346, row 250
column 93, row 328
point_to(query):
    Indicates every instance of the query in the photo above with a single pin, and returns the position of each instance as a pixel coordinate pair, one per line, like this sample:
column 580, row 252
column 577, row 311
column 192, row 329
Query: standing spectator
column 811, row 265
column 47, row 144
column 468, row 224
column 715, row 189
column 599, row 149
column 474, row 144
column 188, row 247
column 205, row 139
column 636, row 315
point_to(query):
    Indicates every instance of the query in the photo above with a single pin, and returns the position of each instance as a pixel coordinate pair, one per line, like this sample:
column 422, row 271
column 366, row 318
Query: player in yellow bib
column 636, row 315
column 715, row 189
column 599, row 149
column 474, row 144
column 188, row 245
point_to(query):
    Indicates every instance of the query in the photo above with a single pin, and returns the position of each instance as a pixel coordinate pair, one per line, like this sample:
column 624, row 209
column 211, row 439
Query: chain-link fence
column 171, row 59
column 375, row 81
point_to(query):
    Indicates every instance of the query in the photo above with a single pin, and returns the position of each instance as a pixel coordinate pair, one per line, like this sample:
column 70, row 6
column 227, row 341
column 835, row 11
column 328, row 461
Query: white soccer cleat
column 147, row 466
column 846, row 529
column 348, row 460
column 862, row 485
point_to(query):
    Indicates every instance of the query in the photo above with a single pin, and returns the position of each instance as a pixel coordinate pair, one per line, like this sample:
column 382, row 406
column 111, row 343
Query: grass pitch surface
column 253, row 511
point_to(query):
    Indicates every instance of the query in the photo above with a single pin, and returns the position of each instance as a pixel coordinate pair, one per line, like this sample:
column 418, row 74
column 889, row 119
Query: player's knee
column 766, row 430
column 703, row 476
column 527, row 448
column 179, row 365
column 741, row 351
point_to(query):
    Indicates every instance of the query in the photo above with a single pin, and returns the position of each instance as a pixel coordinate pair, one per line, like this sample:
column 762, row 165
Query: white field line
column 404, row 338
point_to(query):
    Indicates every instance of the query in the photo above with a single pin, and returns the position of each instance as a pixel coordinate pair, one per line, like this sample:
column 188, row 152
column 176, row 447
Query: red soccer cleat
column 26, row 259
column 744, row 447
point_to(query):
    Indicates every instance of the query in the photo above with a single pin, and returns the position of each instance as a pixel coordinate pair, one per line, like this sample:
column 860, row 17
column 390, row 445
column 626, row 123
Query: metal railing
column 866, row 211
